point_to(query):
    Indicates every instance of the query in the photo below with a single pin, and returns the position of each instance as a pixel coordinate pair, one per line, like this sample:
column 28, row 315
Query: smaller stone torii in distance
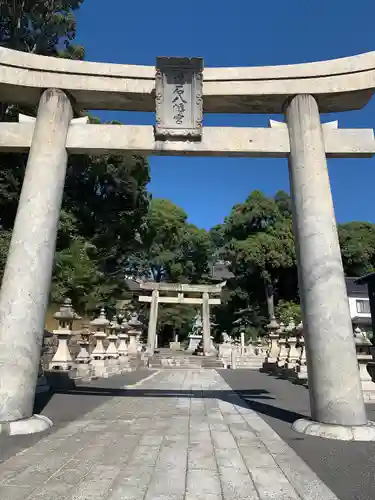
column 178, row 290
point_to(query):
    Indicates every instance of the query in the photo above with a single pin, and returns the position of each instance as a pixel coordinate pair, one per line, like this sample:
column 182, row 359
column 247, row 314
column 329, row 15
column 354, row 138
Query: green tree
column 217, row 235
column 105, row 199
column 265, row 252
column 257, row 239
column 171, row 249
column 254, row 215
column 287, row 310
column 40, row 27
column 76, row 275
column 357, row 241
column 258, row 242
column 261, row 242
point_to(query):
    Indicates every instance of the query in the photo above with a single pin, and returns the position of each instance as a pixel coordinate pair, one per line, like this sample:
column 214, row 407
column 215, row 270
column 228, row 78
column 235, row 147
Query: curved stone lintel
column 337, row 432
column 338, row 85
column 32, row 425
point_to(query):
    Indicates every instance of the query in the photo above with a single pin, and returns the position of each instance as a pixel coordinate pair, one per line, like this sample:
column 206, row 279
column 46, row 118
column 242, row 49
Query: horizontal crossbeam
column 179, row 300
column 217, row 141
column 181, row 287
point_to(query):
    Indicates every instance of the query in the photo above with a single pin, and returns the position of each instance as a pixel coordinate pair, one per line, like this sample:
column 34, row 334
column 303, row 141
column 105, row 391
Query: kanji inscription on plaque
column 179, row 103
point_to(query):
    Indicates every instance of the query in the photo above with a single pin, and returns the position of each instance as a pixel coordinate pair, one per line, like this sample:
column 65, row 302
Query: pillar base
column 31, row 425
column 338, row 432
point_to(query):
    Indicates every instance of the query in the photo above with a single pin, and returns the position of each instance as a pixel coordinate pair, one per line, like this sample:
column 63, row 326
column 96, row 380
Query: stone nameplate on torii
column 178, row 98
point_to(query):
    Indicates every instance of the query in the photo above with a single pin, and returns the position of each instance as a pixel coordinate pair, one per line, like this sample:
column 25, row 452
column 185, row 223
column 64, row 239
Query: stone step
column 256, row 368
column 188, row 362
column 212, row 363
column 170, row 363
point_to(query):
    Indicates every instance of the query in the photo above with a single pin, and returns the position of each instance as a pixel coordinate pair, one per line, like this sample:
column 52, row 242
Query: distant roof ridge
column 365, row 278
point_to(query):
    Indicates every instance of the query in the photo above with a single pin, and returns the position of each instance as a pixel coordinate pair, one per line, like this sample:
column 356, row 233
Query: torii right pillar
column 336, row 400
column 206, row 324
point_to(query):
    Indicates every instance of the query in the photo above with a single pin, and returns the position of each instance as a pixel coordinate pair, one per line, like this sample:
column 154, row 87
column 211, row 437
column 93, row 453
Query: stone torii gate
column 180, row 289
column 180, row 91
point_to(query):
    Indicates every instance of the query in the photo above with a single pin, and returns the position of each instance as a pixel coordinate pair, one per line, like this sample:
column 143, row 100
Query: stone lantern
column 123, row 347
column 123, row 336
column 83, row 359
column 134, row 331
column 100, row 325
column 100, row 362
column 62, row 359
column 283, row 349
column 364, row 347
column 301, row 367
column 293, row 354
column 114, row 327
column 42, row 384
column 273, row 348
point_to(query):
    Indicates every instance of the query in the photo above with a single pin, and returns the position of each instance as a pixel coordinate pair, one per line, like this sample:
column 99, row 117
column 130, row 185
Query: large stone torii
column 62, row 87
column 180, row 288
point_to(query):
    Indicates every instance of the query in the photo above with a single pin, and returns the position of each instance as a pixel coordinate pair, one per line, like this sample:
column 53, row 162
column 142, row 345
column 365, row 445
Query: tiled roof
column 220, row 272
column 354, row 289
column 132, row 285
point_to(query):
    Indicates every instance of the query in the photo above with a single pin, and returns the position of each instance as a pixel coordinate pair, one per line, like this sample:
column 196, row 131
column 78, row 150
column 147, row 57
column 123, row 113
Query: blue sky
column 236, row 33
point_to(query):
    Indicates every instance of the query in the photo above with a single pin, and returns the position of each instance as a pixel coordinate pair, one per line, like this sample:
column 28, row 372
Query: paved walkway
column 179, row 435
column 345, row 467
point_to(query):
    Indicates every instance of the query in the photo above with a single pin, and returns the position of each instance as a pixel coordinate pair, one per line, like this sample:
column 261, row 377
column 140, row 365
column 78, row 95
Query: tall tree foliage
column 171, row 249
column 45, row 27
column 257, row 240
column 105, row 199
column 357, row 241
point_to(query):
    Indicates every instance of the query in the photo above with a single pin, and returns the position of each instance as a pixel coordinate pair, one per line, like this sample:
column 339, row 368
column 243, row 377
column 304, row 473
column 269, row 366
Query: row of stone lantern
column 364, row 350
column 286, row 355
column 123, row 341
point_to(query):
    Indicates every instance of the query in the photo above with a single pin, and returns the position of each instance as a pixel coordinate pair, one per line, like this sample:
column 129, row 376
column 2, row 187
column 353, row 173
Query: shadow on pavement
column 272, row 411
column 346, row 467
column 155, row 393
column 42, row 400
column 248, row 397
column 63, row 407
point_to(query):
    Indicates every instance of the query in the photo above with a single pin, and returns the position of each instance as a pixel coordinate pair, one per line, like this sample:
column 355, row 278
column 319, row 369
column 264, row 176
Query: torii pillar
column 27, row 276
column 334, row 385
column 152, row 322
column 206, row 324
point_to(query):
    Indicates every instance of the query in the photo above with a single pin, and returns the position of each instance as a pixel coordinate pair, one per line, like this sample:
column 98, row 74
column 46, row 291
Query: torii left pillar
column 27, row 276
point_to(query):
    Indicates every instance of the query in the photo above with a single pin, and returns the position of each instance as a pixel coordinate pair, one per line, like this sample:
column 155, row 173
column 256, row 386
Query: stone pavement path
column 180, row 435
column 345, row 467
column 67, row 405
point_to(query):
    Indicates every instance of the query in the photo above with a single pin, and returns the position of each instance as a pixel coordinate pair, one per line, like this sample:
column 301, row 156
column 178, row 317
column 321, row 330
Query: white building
column 359, row 303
